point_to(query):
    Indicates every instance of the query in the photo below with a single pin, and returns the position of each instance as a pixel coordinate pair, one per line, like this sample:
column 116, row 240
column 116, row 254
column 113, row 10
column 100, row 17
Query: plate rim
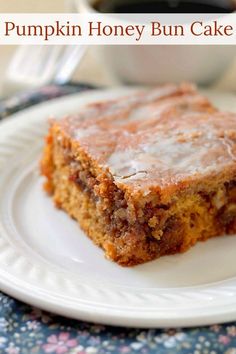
column 116, row 317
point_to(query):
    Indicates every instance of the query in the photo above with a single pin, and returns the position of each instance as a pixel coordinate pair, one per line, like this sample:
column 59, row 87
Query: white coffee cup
column 156, row 64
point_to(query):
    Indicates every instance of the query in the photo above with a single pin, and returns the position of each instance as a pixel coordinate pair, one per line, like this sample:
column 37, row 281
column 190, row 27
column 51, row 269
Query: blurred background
column 90, row 69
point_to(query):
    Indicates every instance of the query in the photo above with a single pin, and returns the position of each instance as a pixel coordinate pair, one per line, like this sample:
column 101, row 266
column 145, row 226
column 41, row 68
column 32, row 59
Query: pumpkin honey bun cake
column 145, row 175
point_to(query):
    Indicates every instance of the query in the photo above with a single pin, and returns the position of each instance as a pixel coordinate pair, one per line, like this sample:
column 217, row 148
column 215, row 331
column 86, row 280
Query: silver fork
column 35, row 66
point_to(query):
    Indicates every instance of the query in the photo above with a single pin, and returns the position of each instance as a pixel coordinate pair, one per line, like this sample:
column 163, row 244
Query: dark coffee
column 168, row 6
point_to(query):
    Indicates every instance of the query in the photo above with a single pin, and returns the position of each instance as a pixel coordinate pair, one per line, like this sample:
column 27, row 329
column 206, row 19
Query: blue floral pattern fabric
column 28, row 330
column 24, row 329
column 22, row 100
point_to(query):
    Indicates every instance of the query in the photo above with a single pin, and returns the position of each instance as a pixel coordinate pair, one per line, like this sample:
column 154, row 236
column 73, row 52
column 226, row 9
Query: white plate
column 47, row 261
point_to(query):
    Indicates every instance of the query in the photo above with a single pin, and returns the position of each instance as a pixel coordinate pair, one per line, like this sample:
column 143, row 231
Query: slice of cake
column 145, row 175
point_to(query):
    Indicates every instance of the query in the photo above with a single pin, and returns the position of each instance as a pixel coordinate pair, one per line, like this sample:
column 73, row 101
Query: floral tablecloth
column 24, row 329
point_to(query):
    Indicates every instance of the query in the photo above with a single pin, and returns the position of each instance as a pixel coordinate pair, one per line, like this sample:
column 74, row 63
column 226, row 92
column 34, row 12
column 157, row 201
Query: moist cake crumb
column 145, row 175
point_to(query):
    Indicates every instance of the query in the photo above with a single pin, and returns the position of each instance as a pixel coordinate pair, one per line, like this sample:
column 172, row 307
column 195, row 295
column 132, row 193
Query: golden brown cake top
column 157, row 137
